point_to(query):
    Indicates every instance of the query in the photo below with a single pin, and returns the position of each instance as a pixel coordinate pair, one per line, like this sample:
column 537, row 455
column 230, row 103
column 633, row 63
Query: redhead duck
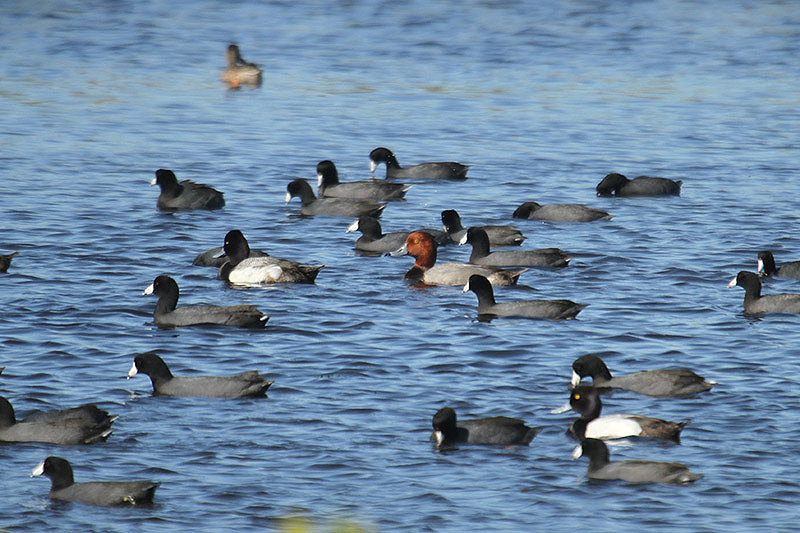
column 585, row 400
column 246, row 385
column 167, row 314
column 546, row 257
column 439, row 171
column 422, row 246
column 635, row 471
column 239, row 72
column 663, row 382
column 86, row 424
column 754, row 303
column 185, row 195
column 488, row 308
column 616, row 184
column 106, row 493
column 328, row 186
column 498, row 235
column 5, row 261
column 560, row 212
column 341, row 207
column 243, row 269
column 500, row 430
column 767, row 267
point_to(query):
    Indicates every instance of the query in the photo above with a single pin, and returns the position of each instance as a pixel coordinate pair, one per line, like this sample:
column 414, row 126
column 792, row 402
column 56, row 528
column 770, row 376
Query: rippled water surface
column 542, row 99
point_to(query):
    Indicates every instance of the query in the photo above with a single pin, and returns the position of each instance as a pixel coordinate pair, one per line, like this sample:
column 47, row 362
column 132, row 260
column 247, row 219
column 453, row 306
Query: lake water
column 542, row 99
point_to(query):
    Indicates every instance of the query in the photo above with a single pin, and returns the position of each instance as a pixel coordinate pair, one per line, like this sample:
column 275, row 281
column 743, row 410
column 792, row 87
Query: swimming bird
column 616, row 184
column 560, row 212
column 85, row 424
column 488, row 308
column 374, row 241
column 481, row 254
column 246, row 385
column 501, row 430
column 437, row 170
column 342, row 207
column 633, row 471
column 767, row 267
column 106, row 493
column 328, row 185
column 243, row 269
column 5, row 261
column 498, row 235
column 168, row 315
column 585, row 400
column 185, row 195
column 754, row 303
column 238, row 71
column 663, row 382
column 422, row 247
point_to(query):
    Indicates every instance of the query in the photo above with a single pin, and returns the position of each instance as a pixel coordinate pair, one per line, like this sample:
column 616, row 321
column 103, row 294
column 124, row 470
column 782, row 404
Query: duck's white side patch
column 612, row 427
column 255, row 273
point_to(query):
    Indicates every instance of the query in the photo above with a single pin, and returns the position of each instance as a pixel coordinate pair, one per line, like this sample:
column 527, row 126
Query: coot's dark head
column 611, row 184
column 451, row 220
column 766, row 264
column 300, row 188
column 525, row 210
column 594, row 449
column 381, row 155
column 475, row 236
column 57, row 469
column 479, row 284
column 445, row 430
column 7, row 416
column 165, row 179
column 327, row 173
column 589, row 365
column 151, row 364
column 367, row 225
column 167, row 291
column 748, row 281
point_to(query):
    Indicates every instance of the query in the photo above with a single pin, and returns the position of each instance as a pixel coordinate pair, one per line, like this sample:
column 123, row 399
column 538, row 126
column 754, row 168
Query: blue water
column 542, row 99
